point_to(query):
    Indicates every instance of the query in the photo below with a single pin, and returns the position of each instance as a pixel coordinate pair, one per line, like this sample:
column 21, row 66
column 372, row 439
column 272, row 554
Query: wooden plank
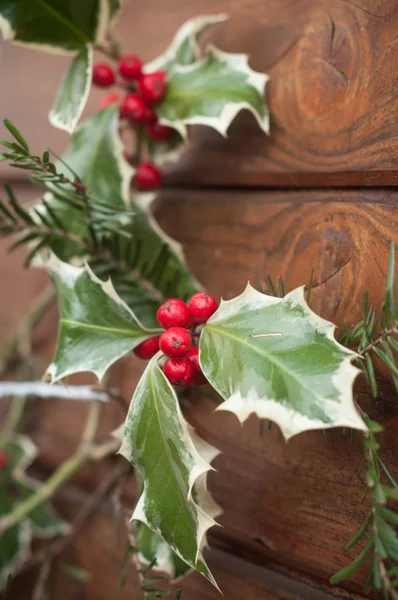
column 302, row 499
column 332, row 95
column 98, row 551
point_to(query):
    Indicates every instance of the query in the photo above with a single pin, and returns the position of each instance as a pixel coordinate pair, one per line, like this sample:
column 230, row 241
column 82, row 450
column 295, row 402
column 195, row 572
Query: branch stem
column 87, row 451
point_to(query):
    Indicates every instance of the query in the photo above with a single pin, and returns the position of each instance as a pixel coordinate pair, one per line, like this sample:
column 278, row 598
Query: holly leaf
column 212, row 92
column 21, row 452
column 96, row 157
column 15, row 542
column 73, row 91
column 96, row 326
column 184, row 49
column 276, row 358
column 54, row 25
column 148, row 265
column 159, row 443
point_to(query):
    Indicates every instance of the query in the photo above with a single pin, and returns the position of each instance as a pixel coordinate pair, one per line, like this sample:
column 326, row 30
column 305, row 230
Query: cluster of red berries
column 180, row 321
column 144, row 91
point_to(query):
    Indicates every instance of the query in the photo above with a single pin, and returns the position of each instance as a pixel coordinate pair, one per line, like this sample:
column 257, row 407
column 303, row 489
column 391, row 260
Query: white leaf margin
column 54, row 117
column 54, row 265
column 197, row 476
column 190, row 31
column 290, row 422
column 24, row 538
column 240, row 62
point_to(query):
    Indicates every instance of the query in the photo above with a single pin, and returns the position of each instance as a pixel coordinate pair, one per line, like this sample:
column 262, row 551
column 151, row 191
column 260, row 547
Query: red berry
column 3, row 460
column 149, row 116
column 175, row 342
column 147, row 176
column 107, row 100
column 174, row 313
column 103, row 75
column 201, row 306
column 148, row 348
column 130, row 67
column 178, row 371
column 153, row 86
column 193, row 356
column 133, row 108
column 159, row 132
column 198, row 375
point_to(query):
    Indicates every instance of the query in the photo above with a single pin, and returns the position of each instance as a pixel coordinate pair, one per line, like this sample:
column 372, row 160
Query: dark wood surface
column 333, row 67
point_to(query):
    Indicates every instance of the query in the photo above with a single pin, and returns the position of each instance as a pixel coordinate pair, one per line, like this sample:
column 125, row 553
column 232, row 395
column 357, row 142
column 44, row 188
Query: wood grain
column 301, row 501
column 332, row 95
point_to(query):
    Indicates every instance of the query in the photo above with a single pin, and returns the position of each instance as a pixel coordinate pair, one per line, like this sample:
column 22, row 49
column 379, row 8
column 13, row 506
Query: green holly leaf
column 15, row 542
column 154, row 264
column 96, row 156
column 54, row 25
column 158, row 441
column 184, row 49
column 96, row 326
column 276, row 358
column 73, row 91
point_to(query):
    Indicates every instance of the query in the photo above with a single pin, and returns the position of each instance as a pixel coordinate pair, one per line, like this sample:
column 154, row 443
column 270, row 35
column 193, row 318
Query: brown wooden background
column 320, row 190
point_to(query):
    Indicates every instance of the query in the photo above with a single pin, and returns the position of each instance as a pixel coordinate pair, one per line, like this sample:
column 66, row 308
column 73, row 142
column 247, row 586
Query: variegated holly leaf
column 151, row 548
column 148, row 265
column 96, row 326
column 21, row 452
column 184, row 49
column 61, row 26
column 73, row 92
column 158, row 441
column 276, row 358
column 54, row 25
column 212, row 92
column 96, row 156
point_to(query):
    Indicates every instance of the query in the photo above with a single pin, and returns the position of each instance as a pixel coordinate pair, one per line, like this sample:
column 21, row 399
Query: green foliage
column 73, row 91
column 286, row 365
column 159, row 442
column 376, row 335
column 379, row 527
column 15, row 485
column 62, row 26
column 96, row 326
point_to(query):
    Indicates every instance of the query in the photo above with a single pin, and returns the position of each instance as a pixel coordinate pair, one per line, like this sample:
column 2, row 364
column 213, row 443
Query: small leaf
column 359, row 534
column 158, row 441
column 96, row 326
column 354, row 565
column 73, row 92
column 212, row 92
column 17, row 134
column 275, row 357
column 45, row 522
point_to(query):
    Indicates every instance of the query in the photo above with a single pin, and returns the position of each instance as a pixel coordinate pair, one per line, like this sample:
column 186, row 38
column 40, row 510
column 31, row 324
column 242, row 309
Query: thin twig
column 40, row 587
column 87, row 451
column 48, row 390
